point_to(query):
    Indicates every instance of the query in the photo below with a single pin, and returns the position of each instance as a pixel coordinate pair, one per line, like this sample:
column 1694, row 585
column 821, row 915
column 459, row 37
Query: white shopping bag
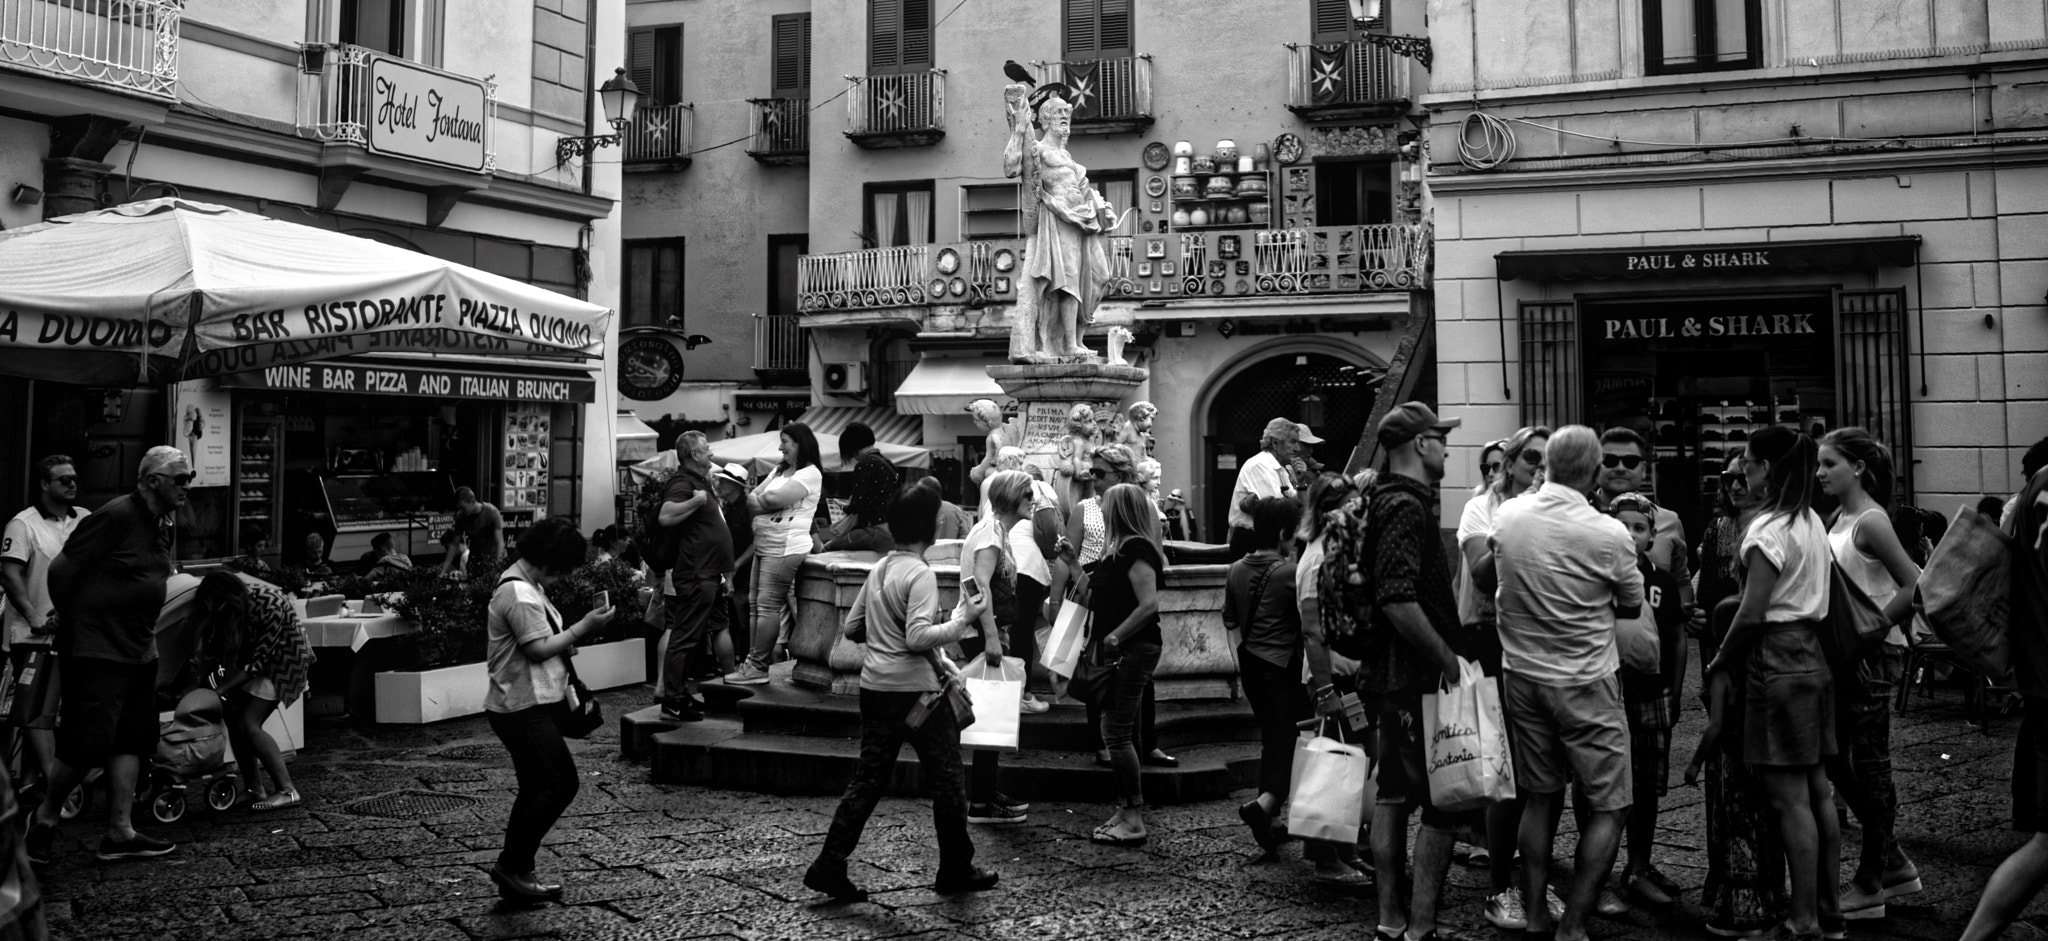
column 1062, row 651
column 1636, row 639
column 1328, row 790
column 1466, row 743
column 998, row 695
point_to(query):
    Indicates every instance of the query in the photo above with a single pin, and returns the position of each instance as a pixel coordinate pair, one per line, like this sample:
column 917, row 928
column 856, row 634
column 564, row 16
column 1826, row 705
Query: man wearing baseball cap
column 1304, row 467
column 1416, row 619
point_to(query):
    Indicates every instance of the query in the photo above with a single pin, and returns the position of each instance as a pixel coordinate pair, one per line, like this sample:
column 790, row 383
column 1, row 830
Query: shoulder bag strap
column 554, row 627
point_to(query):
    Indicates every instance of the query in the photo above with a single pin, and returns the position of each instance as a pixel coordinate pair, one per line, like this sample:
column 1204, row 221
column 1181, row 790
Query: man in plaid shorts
column 1647, row 697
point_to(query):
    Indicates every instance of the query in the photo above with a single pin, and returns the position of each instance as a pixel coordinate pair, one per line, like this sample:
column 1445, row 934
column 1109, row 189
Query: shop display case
column 258, row 468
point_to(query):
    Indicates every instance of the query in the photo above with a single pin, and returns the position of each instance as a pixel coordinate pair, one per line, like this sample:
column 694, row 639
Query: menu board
column 527, row 442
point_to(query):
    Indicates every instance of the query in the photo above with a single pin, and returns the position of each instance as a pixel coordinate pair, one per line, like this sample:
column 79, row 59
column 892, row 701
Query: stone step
column 719, row 753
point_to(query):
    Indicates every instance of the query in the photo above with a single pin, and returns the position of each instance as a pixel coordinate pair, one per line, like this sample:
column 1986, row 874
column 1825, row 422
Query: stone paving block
column 299, row 906
column 426, row 886
column 692, row 896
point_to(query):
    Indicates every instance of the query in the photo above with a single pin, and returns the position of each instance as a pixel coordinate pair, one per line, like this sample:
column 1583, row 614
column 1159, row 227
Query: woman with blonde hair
column 990, row 556
column 1125, row 601
column 1109, row 466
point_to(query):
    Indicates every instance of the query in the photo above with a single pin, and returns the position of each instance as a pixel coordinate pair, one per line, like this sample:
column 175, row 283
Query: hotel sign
column 426, row 114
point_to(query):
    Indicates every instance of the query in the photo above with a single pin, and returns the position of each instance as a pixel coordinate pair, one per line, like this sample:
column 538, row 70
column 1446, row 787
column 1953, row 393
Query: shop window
column 1343, row 20
column 1096, row 29
column 654, row 283
column 897, row 214
column 1550, row 364
column 899, row 36
column 1681, row 36
column 791, row 67
column 654, row 61
column 1354, row 192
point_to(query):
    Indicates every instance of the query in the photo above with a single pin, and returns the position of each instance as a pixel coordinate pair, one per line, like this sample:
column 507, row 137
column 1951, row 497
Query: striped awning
column 886, row 424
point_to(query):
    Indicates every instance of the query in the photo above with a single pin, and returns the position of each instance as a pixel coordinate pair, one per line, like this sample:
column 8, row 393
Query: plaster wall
column 23, row 147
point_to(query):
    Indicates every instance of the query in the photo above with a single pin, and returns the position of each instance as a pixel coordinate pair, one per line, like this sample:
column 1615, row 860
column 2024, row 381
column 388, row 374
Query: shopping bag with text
column 1465, row 743
column 998, row 694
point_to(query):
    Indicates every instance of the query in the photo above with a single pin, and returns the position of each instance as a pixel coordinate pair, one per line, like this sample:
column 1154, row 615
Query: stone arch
column 1249, row 378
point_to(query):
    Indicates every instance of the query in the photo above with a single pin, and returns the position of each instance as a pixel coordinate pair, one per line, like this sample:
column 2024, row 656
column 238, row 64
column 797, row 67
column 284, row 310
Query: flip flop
column 1105, row 835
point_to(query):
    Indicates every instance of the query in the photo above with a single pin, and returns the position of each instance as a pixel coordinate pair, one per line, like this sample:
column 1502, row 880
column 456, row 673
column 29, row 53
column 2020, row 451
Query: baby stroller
column 191, row 760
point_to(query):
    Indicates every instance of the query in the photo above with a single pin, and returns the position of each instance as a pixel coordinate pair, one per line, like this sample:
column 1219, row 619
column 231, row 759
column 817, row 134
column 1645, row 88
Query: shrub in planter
column 450, row 615
column 575, row 594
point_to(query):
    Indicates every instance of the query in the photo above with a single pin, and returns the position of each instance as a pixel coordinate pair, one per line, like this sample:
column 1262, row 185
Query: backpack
column 1344, row 589
column 657, row 546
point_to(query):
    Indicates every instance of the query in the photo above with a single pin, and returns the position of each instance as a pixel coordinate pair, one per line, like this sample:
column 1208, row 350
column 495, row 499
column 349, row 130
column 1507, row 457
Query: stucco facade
column 1847, row 125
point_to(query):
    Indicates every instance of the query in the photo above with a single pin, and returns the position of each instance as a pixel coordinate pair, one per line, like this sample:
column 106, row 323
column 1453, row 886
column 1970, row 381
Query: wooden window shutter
column 917, row 34
column 1871, row 364
column 640, row 62
column 885, row 35
column 1097, row 29
column 1113, row 35
column 792, row 67
column 1551, row 385
column 1331, row 20
column 1081, row 22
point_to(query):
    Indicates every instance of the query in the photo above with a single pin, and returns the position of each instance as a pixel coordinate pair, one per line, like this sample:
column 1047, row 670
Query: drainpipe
column 589, row 83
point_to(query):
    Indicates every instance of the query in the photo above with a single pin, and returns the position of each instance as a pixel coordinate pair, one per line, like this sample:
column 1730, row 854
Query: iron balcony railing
column 782, row 127
column 780, row 345
column 127, row 44
column 1350, row 73
column 1349, row 259
column 1117, row 89
column 896, row 104
column 337, row 103
column 659, row 133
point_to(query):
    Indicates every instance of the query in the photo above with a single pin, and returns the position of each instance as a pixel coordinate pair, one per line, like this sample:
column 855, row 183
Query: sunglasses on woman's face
column 1098, row 472
column 1630, row 461
column 1531, row 458
column 1489, row 467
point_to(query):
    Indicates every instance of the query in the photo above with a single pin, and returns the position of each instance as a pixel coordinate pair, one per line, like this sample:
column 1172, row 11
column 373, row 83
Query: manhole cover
column 409, row 805
column 473, row 752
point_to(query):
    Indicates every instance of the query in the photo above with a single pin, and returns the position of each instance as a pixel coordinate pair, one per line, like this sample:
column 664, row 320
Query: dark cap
column 1407, row 420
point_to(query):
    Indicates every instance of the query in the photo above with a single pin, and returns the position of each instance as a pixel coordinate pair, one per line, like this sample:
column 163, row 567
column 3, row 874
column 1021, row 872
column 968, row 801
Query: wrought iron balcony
column 397, row 107
column 782, row 131
column 885, row 111
column 1210, row 264
column 1111, row 96
column 1342, row 81
column 779, row 345
column 659, row 138
column 131, row 45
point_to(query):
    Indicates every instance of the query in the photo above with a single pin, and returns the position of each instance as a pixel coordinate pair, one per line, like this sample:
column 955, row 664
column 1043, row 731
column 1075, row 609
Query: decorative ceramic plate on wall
column 1156, row 157
column 1155, row 186
column 1287, row 148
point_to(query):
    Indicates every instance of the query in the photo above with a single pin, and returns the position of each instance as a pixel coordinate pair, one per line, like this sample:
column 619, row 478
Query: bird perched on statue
column 1018, row 73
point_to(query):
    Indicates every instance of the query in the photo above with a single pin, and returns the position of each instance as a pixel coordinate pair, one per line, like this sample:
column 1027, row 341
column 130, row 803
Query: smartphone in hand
column 604, row 600
column 970, row 586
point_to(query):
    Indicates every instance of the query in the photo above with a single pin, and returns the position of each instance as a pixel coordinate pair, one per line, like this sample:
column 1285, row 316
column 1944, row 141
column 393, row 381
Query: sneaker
column 1834, row 928
column 1553, row 904
column 139, row 846
column 1858, row 904
column 747, row 675
column 1719, row 931
column 1902, row 881
column 993, row 813
column 683, row 711
column 1007, row 802
column 41, row 842
column 1611, row 904
column 1032, row 706
column 1647, row 891
column 1479, row 858
column 1504, row 911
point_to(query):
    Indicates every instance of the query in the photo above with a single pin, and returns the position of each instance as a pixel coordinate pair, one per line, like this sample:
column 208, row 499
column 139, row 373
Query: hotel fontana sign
column 426, row 114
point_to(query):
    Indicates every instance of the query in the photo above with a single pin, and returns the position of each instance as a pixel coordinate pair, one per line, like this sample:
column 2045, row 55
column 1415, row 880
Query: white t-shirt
column 1261, row 476
column 1799, row 548
column 1867, row 571
column 1476, row 523
column 34, row 541
column 788, row 531
column 1024, row 549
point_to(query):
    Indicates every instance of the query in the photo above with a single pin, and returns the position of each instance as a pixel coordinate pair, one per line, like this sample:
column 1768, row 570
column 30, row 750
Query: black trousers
column 1278, row 701
column 937, row 743
column 547, row 779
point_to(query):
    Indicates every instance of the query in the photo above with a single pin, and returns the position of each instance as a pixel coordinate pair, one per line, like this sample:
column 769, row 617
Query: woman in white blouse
column 784, row 506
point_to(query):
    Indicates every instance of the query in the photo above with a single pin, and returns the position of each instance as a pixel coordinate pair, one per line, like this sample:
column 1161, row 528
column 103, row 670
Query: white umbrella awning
column 945, row 386
column 760, row 453
column 138, row 291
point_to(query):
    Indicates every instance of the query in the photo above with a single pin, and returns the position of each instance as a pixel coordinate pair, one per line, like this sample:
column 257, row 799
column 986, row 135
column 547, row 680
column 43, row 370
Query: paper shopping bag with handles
column 1062, row 651
column 1465, row 743
column 1966, row 591
column 998, row 695
column 1327, row 796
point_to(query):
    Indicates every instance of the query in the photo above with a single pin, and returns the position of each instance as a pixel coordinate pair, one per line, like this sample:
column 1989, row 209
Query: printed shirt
column 33, row 540
column 787, row 531
column 274, row 643
column 874, row 483
column 1564, row 567
column 520, row 612
column 123, row 557
column 1261, row 476
column 1408, row 566
column 1667, row 618
column 2028, row 525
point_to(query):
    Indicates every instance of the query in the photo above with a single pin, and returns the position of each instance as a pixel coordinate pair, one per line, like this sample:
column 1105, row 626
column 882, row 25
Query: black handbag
column 1094, row 676
column 951, row 690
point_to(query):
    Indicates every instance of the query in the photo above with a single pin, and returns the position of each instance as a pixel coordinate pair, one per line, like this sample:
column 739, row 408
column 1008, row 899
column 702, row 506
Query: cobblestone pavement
column 643, row 861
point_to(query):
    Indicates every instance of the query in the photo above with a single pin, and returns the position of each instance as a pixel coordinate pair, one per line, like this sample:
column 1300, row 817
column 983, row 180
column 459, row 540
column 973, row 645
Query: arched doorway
column 1291, row 380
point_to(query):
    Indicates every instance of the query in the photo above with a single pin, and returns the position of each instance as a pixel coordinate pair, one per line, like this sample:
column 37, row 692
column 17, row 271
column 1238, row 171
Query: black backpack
column 657, row 546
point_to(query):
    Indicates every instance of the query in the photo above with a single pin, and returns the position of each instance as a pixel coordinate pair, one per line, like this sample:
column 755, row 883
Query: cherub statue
column 1066, row 263
column 988, row 416
column 1118, row 336
column 1082, row 437
column 1137, row 433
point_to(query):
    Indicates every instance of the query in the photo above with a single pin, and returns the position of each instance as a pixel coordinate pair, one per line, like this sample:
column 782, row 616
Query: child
column 1650, row 712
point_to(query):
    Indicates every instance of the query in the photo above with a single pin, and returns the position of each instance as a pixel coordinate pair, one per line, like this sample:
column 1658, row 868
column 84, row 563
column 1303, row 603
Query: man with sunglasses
column 108, row 585
column 32, row 540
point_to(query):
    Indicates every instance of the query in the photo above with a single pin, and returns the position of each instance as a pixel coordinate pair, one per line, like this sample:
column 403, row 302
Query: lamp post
column 620, row 97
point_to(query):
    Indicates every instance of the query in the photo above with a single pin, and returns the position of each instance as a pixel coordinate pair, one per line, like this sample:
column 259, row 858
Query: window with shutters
column 792, row 56
column 653, row 282
column 1096, row 29
column 899, row 36
column 1681, row 36
column 989, row 211
column 897, row 214
column 654, row 61
column 1344, row 20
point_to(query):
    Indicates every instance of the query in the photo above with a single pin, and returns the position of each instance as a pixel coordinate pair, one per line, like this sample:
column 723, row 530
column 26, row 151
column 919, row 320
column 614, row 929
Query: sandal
column 1106, row 835
column 277, row 801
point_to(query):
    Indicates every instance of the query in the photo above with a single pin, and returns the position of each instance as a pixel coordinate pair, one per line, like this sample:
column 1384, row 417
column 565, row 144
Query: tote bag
column 998, row 697
column 1328, row 795
column 1466, row 747
column 1062, row 652
column 1966, row 591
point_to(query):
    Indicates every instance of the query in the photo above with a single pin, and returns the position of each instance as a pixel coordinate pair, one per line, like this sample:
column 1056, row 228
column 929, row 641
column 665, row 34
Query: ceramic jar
column 1221, row 186
column 1226, row 151
column 1205, row 165
column 1184, row 149
column 1259, row 213
column 1244, row 165
column 1180, row 217
column 1252, row 185
column 1187, row 187
column 1198, row 217
column 1238, row 216
column 1182, row 166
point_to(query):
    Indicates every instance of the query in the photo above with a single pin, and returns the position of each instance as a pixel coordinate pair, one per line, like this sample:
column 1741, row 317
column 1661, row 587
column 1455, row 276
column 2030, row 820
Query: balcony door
column 1345, row 20
column 374, row 24
column 1354, row 192
column 898, row 214
column 654, row 61
column 792, row 56
column 1096, row 29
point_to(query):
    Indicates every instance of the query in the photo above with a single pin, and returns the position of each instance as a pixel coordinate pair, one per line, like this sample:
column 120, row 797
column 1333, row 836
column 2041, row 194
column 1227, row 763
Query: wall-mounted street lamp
column 619, row 96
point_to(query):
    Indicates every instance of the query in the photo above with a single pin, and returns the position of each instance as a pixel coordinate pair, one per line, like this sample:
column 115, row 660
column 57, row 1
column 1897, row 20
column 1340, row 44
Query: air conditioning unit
column 846, row 378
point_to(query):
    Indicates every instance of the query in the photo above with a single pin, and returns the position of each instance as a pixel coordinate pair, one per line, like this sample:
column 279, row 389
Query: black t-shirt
column 1660, row 595
column 703, row 541
column 1111, row 597
column 109, row 606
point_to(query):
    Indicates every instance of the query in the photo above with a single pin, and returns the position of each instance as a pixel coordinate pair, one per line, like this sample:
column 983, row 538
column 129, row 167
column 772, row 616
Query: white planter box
column 446, row 693
column 607, row 666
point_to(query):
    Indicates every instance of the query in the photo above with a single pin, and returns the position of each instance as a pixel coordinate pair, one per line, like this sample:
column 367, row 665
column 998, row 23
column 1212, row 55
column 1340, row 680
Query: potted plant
column 442, row 673
column 615, row 655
